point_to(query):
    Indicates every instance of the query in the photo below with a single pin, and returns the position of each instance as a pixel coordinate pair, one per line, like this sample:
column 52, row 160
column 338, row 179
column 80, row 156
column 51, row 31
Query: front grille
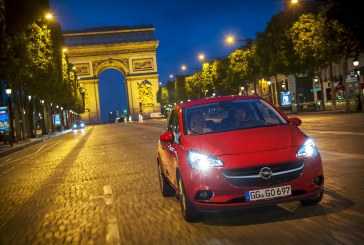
column 283, row 172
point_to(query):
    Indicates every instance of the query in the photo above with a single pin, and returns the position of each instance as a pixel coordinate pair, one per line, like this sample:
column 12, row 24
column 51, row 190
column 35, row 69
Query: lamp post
column 44, row 128
column 361, row 91
column 49, row 16
column 83, row 92
column 201, row 57
column 231, row 40
column 242, row 89
column 8, row 92
column 183, row 67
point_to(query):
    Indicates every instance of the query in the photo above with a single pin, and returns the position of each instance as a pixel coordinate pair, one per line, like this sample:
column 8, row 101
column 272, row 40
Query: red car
column 236, row 151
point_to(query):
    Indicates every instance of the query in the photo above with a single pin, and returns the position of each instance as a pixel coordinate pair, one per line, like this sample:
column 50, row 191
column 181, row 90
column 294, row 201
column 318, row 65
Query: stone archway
column 132, row 51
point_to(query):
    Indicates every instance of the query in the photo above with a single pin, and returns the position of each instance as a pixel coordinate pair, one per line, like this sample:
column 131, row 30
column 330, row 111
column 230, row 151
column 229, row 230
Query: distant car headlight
column 202, row 161
column 307, row 150
column 82, row 125
column 74, row 126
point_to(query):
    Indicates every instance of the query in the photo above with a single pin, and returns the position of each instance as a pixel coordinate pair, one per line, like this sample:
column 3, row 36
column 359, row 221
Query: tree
column 319, row 43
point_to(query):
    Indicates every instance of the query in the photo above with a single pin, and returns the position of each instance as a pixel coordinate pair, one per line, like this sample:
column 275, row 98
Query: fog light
column 319, row 180
column 204, row 195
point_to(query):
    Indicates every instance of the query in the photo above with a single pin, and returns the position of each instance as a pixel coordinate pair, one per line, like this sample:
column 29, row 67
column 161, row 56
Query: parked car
column 234, row 152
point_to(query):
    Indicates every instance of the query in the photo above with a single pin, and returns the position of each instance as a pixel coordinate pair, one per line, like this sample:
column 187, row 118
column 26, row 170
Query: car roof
column 209, row 100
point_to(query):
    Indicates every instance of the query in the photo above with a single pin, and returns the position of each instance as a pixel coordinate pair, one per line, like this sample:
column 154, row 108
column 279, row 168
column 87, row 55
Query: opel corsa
column 233, row 152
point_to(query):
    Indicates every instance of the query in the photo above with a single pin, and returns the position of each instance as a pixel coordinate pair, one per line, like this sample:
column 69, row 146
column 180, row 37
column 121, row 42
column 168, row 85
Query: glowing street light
column 294, row 2
column 230, row 39
column 201, row 57
column 8, row 91
column 171, row 76
column 49, row 16
column 64, row 50
column 183, row 67
column 356, row 63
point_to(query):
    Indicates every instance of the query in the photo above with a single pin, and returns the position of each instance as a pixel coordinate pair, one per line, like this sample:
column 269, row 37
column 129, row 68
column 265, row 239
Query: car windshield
column 230, row 115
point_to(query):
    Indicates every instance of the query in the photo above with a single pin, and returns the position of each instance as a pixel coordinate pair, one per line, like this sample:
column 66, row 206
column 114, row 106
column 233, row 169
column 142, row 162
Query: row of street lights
column 229, row 40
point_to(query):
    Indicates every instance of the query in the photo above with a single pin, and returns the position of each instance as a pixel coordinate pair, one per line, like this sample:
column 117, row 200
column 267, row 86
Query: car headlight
column 74, row 126
column 202, row 161
column 82, row 125
column 307, row 150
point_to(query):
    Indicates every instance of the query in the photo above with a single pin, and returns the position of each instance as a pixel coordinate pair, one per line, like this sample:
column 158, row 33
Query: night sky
column 184, row 28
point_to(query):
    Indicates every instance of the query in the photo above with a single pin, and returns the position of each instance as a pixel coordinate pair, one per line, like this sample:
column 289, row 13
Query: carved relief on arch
column 120, row 64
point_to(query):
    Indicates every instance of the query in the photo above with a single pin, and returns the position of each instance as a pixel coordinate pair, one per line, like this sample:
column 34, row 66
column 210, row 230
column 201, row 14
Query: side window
column 173, row 126
column 171, row 120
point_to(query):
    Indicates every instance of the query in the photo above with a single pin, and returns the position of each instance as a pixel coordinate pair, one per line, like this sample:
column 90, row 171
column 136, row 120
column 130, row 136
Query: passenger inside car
column 198, row 125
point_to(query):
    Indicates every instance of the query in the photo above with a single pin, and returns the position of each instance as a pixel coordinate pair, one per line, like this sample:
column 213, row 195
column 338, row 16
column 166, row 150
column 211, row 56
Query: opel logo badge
column 265, row 173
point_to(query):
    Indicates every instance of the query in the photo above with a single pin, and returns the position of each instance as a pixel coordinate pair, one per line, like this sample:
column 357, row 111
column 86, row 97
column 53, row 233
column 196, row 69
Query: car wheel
column 313, row 201
column 189, row 213
column 166, row 188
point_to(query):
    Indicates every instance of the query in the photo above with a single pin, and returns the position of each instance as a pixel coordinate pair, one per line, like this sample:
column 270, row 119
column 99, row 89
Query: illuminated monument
column 131, row 50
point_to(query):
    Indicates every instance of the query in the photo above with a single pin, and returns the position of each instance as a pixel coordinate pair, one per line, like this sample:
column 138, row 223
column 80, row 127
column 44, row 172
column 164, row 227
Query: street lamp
column 183, row 67
column 230, row 39
column 49, row 16
column 206, row 91
column 64, row 50
column 201, row 57
column 82, row 92
column 294, row 2
column 241, row 90
column 171, row 76
column 8, row 92
column 355, row 63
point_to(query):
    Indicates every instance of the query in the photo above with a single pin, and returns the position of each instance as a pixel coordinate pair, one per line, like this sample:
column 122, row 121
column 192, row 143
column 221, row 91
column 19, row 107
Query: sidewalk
column 7, row 149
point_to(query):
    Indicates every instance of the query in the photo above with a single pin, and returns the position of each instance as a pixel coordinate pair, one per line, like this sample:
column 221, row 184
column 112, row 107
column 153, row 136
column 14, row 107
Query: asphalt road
column 101, row 187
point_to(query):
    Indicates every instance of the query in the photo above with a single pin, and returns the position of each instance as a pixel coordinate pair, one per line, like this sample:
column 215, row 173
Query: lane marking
column 336, row 132
column 343, row 155
column 112, row 228
column 108, row 195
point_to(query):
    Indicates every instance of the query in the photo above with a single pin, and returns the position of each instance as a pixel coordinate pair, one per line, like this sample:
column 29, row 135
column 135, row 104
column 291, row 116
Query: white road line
column 343, row 155
column 112, row 228
column 335, row 132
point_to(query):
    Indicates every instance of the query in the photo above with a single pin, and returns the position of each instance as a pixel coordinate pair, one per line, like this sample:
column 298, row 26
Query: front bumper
column 226, row 194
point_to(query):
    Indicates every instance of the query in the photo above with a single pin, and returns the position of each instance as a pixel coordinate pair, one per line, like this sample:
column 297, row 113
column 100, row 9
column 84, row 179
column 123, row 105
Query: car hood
column 245, row 140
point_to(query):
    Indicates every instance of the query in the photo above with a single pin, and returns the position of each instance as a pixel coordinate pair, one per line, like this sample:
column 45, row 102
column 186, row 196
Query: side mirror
column 166, row 136
column 295, row 121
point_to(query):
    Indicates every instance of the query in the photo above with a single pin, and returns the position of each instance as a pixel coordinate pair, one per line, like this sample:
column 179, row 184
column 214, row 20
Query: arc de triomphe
column 131, row 50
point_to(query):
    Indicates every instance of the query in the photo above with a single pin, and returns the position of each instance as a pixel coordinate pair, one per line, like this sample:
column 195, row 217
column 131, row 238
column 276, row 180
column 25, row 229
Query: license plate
column 268, row 193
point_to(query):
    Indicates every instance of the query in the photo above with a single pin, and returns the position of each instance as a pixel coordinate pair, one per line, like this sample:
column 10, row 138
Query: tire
column 313, row 201
column 165, row 187
column 189, row 213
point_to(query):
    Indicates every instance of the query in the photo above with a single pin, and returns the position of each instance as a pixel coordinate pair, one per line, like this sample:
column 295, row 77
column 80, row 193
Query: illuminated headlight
column 307, row 150
column 202, row 162
column 74, row 126
column 82, row 125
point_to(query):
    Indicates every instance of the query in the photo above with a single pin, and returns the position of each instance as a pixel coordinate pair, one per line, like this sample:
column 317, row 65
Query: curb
column 318, row 112
column 15, row 149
